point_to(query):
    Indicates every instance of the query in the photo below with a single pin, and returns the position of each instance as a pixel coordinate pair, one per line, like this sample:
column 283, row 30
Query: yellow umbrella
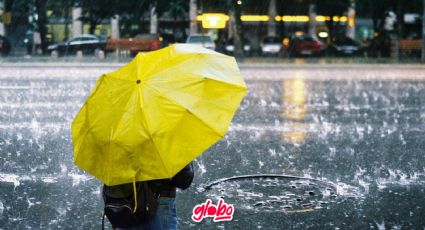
column 153, row 116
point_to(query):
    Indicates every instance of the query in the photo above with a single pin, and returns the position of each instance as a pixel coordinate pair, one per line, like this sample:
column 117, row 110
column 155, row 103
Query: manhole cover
column 271, row 193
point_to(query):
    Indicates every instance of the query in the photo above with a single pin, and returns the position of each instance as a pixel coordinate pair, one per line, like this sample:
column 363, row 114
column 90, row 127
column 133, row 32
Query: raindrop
column 259, row 204
column 307, row 204
column 1, row 208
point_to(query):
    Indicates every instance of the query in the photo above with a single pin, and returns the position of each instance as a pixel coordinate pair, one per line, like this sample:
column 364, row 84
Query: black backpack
column 120, row 204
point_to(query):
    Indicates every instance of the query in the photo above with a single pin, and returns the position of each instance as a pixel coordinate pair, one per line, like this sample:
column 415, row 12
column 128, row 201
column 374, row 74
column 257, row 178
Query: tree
column 94, row 11
column 177, row 9
column 132, row 14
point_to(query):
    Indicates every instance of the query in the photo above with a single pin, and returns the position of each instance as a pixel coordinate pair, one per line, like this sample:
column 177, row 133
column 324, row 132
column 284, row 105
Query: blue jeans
column 165, row 218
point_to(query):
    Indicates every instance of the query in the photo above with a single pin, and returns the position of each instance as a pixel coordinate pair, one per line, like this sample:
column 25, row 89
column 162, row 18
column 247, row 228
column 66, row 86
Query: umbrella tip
column 138, row 81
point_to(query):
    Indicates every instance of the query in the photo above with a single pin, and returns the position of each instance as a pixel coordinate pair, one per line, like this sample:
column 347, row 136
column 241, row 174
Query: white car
column 230, row 48
column 271, row 45
column 200, row 39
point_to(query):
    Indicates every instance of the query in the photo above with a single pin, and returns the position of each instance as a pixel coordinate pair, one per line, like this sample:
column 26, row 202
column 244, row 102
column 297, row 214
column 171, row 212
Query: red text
column 220, row 212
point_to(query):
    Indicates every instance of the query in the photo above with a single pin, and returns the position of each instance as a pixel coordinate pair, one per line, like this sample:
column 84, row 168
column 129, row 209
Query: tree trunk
column 330, row 25
column 193, row 8
column 235, row 16
column 66, row 16
column 400, row 26
column 93, row 24
column 92, row 27
column 351, row 14
column 271, row 26
column 41, row 23
column 312, row 24
column 77, row 25
column 115, row 26
column 153, row 29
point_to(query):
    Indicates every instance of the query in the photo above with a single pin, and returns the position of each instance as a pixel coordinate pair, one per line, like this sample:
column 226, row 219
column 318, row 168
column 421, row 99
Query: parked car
column 345, row 46
column 306, row 45
column 138, row 43
column 155, row 40
column 200, row 39
column 229, row 47
column 4, row 46
column 87, row 43
column 271, row 45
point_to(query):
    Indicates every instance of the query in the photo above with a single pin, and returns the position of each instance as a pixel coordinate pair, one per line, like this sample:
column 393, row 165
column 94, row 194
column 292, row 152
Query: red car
column 306, row 45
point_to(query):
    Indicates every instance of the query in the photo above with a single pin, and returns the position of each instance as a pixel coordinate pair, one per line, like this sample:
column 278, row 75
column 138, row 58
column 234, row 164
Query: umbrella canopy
column 153, row 116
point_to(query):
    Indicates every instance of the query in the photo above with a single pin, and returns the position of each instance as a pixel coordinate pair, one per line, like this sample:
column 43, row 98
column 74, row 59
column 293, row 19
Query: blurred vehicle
column 345, row 46
column 87, row 43
column 155, row 40
column 271, row 45
column 4, row 46
column 230, row 48
column 200, row 39
column 305, row 45
column 140, row 43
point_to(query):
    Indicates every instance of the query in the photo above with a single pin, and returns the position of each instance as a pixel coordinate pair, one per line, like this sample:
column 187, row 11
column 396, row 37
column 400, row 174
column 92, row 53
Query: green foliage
column 177, row 9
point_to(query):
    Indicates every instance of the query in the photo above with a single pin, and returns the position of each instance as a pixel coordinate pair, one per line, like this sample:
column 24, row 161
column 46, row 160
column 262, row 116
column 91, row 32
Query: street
column 348, row 141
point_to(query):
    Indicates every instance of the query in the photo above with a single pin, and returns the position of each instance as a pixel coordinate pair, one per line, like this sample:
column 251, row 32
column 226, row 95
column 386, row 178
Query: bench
column 411, row 46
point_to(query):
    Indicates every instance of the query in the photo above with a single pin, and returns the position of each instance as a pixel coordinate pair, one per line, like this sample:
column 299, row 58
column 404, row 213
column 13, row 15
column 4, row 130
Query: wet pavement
column 331, row 147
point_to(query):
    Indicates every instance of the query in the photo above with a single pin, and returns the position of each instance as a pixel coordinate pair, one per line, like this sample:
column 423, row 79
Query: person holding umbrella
column 148, row 120
column 165, row 216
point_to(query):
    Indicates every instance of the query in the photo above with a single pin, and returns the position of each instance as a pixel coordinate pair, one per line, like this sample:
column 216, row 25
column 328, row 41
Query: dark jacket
column 167, row 187
column 162, row 187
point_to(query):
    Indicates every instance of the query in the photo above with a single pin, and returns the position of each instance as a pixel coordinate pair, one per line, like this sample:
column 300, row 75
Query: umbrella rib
column 150, row 134
column 237, row 88
column 205, row 77
column 187, row 109
column 160, row 156
column 189, row 58
column 155, row 70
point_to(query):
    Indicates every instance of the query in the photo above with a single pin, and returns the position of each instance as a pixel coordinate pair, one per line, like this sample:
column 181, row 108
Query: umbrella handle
column 135, row 194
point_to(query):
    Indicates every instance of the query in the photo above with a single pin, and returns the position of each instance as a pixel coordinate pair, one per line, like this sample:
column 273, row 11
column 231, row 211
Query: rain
column 330, row 134
column 348, row 152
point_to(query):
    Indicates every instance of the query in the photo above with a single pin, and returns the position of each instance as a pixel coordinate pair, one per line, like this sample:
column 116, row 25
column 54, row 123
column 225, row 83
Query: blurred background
column 243, row 28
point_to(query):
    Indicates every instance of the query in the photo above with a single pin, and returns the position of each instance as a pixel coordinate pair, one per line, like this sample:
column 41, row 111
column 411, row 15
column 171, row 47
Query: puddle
column 279, row 193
